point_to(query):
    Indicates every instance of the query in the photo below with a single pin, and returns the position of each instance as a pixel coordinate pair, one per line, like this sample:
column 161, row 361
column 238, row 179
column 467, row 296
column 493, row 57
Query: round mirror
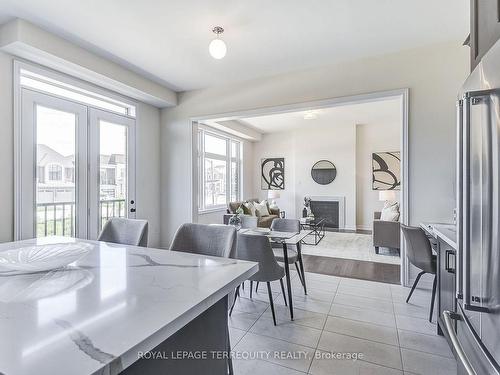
column 323, row 172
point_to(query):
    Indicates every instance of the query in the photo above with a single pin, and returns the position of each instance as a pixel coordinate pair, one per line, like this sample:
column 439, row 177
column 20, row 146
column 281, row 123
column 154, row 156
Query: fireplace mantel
column 330, row 198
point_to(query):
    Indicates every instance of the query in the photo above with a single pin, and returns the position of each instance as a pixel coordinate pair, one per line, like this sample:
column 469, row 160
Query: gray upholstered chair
column 204, row 239
column 258, row 249
column 125, row 231
column 419, row 253
column 385, row 233
column 211, row 240
column 294, row 255
column 249, row 222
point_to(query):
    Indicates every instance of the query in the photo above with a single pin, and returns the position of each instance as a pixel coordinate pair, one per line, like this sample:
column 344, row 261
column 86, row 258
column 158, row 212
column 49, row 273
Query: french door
column 76, row 167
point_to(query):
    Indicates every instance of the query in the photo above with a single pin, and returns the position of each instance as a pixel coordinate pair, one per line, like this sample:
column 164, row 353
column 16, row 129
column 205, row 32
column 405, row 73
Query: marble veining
column 96, row 314
column 84, row 343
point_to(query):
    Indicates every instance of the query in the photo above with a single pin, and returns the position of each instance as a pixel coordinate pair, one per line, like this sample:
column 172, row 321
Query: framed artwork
column 386, row 170
column 272, row 176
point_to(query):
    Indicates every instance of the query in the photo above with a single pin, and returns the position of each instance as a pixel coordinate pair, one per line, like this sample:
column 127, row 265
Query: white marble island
column 95, row 316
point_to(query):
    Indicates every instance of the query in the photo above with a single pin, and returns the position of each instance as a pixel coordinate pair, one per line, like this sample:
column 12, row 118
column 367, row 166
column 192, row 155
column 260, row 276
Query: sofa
column 385, row 233
column 262, row 221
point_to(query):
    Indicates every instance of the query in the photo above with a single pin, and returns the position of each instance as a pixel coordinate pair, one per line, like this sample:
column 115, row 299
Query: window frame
column 228, row 159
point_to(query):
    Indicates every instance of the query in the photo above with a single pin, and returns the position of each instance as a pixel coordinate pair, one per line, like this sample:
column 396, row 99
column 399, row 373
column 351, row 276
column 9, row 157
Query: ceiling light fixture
column 310, row 115
column 217, row 47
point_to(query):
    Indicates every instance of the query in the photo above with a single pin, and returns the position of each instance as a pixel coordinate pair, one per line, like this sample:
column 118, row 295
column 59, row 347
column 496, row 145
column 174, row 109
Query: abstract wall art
column 272, row 174
column 386, row 170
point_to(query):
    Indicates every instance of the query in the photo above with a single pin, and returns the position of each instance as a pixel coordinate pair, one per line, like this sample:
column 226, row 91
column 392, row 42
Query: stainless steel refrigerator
column 474, row 328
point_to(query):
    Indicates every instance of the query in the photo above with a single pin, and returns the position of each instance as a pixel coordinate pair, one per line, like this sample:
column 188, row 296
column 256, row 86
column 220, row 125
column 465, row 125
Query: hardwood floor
column 357, row 269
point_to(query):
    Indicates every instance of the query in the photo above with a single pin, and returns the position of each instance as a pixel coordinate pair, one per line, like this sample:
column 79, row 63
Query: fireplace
column 331, row 209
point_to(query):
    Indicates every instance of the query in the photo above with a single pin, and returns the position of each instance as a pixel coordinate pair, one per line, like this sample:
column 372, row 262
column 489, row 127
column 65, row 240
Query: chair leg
column 271, row 301
column 256, row 286
column 283, row 291
column 433, row 298
column 300, row 275
column 251, row 288
column 243, row 285
column 236, row 295
column 414, row 285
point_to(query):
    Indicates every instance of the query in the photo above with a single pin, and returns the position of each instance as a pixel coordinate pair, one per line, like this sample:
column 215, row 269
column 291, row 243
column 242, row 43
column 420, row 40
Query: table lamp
column 273, row 194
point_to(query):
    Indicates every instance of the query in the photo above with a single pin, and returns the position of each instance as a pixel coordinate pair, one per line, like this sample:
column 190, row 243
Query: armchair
column 385, row 233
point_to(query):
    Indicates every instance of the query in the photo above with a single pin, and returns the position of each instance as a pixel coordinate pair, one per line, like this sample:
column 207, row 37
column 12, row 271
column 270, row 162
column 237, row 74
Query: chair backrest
column 249, row 222
column 418, row 250
column 257, row 248
column 125, row 231
column 286, row 225
column 214, row 240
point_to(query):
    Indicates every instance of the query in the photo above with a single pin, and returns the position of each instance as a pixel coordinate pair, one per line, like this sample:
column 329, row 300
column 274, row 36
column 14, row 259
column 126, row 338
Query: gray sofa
column 262, row 221
column 385, row 233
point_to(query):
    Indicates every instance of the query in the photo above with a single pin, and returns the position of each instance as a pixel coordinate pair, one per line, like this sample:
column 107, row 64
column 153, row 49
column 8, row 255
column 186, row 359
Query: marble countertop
column 94, row 316
column 447, row 232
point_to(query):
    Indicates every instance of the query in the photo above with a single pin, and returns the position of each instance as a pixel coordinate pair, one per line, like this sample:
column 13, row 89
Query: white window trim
column 201, row 154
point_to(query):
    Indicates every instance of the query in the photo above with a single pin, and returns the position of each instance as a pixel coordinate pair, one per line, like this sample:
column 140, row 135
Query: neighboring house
column 56, row 176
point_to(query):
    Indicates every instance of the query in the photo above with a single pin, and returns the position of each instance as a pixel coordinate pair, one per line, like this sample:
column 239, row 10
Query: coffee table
column 316, row 228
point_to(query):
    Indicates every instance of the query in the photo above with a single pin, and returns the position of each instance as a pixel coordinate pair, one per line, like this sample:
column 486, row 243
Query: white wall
column 147, row 159
column 301, row 148
column 6, row 150
column 370, row 138
column 433, row 74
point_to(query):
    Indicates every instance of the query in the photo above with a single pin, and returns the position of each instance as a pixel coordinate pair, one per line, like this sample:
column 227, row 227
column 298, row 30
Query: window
column 55, row 172
column 219, row 161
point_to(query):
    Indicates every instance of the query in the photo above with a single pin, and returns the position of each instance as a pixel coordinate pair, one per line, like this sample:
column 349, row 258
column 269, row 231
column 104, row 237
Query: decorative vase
column 235, row 221
column 304, row 212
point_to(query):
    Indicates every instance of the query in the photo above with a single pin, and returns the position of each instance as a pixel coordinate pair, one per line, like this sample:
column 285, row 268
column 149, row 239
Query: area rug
column 350, row 246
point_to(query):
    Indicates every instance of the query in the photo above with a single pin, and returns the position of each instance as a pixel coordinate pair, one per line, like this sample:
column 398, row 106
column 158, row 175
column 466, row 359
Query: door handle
column 447, row 317
column 132, row 210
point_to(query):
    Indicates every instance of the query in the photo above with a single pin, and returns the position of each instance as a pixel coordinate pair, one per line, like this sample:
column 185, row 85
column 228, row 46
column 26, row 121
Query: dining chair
column 419, row 253
column 125, row 231
column 294, row 252
column 212, row 240
column 258, row 249
column 248, row 222
column 205, row 239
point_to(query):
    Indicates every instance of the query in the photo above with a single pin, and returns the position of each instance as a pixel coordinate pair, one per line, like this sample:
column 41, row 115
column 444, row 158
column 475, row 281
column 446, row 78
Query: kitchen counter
column 447, row 232
column 96, row 315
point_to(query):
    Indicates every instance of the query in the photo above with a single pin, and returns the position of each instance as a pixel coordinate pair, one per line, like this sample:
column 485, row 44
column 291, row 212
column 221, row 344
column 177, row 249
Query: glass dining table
column 285, row 239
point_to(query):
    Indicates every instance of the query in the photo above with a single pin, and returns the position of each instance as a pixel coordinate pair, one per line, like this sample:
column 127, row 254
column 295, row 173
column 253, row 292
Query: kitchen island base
column 200, row 347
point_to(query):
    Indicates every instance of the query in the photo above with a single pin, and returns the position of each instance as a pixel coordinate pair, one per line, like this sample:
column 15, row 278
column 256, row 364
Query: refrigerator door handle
column 459, row 213
column 469, row 99
column 447, row 317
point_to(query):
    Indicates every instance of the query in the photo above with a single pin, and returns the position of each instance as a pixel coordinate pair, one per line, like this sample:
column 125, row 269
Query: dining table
column 118, row 309
column 285, row 239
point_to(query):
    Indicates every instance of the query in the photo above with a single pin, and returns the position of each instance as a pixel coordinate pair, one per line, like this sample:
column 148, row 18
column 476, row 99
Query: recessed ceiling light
column 310, row 115
column 217, row 47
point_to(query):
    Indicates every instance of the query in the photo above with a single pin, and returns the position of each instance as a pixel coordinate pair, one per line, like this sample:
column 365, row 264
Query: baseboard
column 364, row 227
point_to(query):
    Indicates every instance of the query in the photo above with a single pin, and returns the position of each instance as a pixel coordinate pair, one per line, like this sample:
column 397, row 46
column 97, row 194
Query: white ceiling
column 371, row 113
column 167, row 40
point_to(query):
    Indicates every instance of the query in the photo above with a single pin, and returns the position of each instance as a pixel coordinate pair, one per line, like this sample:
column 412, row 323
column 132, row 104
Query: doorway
column 75, row 165
column 308, row 110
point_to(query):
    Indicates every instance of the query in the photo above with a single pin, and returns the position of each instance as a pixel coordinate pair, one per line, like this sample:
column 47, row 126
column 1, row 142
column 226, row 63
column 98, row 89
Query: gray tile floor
column 339, row 315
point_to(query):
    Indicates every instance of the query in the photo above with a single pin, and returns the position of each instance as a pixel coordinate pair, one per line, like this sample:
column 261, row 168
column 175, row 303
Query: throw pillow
column 389, row 214
column 250, row 206
column 262, row 208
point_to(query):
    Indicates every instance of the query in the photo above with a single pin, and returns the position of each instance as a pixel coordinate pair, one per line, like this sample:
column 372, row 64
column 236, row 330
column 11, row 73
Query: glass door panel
column 55, row 172
column 52, row 192
column 112, row 171
column 112, row 168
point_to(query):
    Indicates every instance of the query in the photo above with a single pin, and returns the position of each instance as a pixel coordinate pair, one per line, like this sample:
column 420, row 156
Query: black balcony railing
column 59, row 218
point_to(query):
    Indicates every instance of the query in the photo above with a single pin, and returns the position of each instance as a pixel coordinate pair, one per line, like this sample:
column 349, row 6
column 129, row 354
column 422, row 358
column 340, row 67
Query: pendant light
column 217, row 47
